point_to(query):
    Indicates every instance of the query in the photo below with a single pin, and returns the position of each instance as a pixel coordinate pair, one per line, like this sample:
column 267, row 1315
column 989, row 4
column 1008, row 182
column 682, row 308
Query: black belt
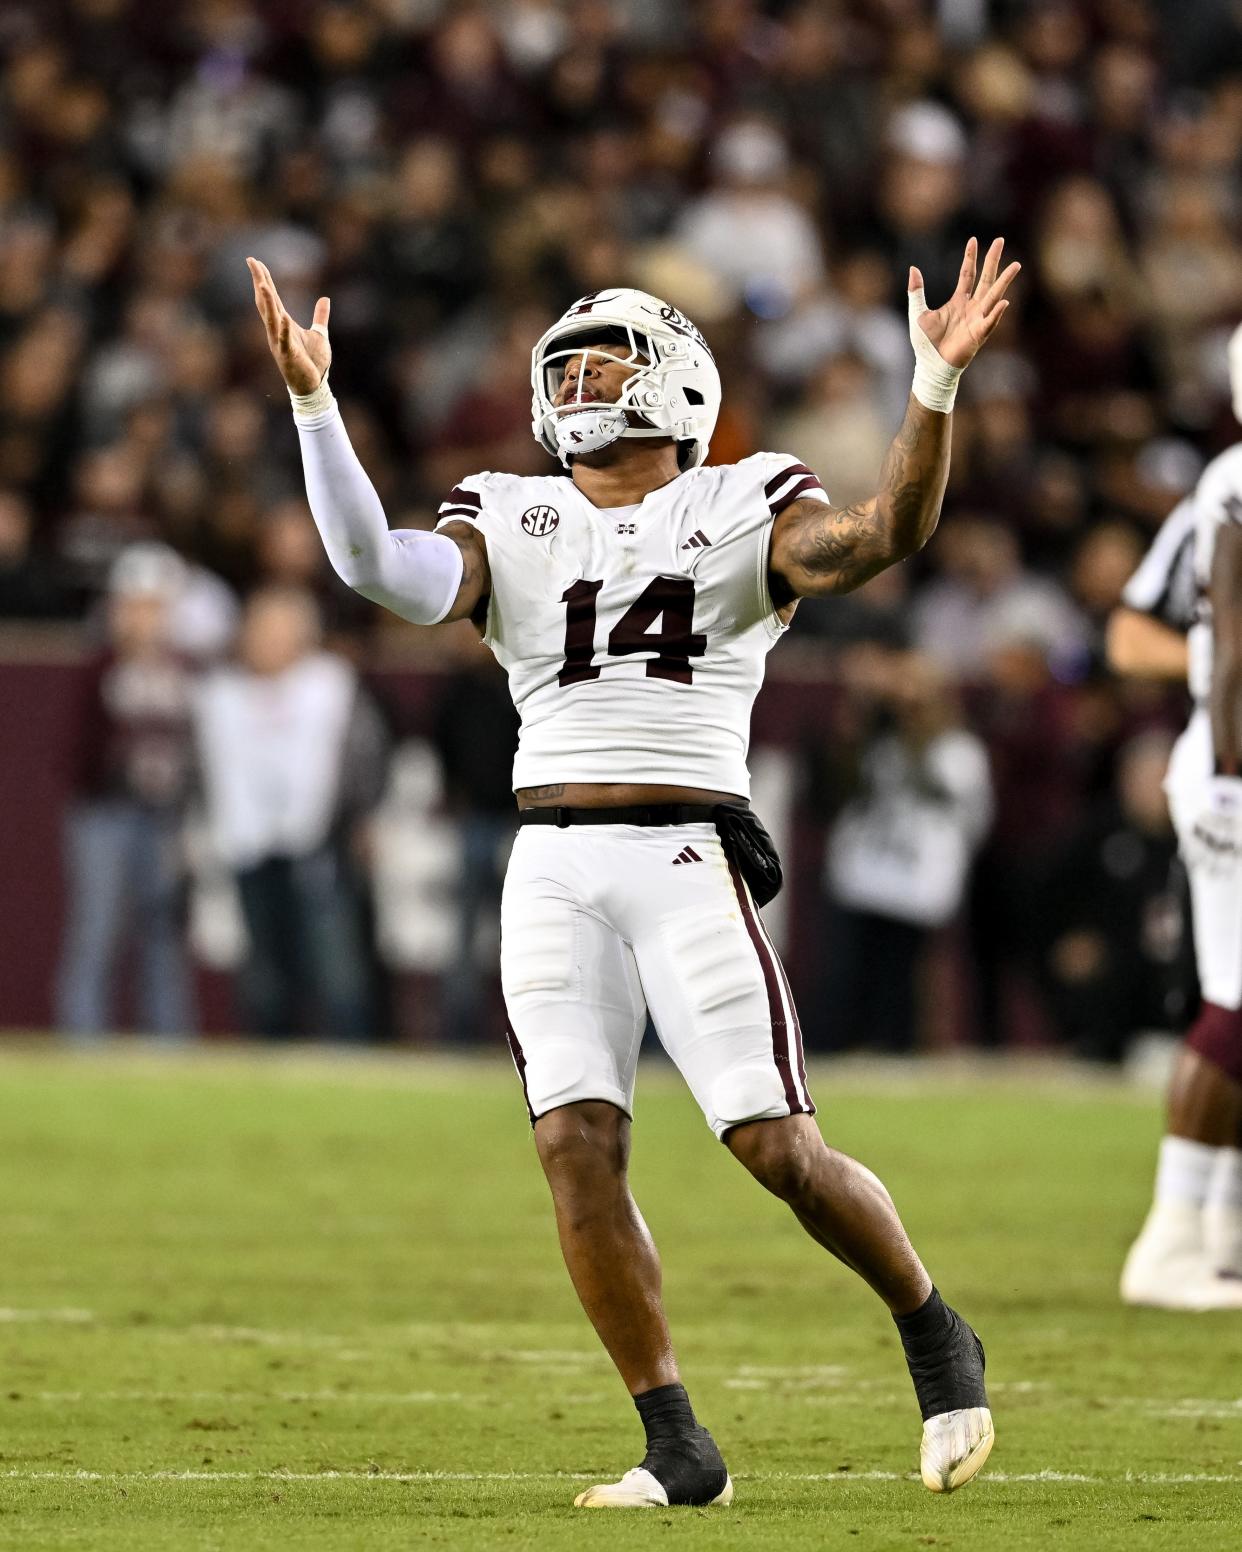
column 639, row 814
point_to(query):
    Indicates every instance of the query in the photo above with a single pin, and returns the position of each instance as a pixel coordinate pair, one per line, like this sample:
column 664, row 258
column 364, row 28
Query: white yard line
column 828, row 1385
column 56, row 1317
column 263, row 1398
column 1000, row 1478
column 1015, row 1074
column 1222, row 1411
column 254, row 1335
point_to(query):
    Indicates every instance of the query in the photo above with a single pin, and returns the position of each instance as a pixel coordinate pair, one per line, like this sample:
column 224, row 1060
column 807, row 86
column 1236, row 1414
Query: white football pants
column 600, row 923
column 1215, row 898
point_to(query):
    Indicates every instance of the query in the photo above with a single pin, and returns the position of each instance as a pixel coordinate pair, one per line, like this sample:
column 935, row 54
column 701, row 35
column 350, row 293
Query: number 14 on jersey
column 670, row 600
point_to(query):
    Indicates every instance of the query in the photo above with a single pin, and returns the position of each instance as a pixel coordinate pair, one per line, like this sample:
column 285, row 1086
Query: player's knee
column 583, row 1141
column 1216, row 1035
column 784, row 1155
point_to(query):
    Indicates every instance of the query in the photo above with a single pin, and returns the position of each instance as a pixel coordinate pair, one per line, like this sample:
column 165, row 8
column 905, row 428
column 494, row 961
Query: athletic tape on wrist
column 935, row 381
column 314, row 403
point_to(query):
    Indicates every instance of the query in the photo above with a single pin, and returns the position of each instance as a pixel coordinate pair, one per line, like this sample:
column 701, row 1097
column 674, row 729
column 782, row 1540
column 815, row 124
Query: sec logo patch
column 540, row 520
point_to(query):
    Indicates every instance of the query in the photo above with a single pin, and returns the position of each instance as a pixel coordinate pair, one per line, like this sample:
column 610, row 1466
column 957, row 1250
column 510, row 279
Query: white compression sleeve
column 414, row 574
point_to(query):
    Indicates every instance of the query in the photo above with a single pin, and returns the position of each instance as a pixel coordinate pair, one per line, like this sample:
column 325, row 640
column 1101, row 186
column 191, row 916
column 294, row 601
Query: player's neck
column 634, row 473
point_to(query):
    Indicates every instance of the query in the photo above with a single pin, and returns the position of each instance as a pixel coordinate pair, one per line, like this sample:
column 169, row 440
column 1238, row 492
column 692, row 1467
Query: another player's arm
column 1225, row 700
column 425, row 577
column 818, row 549
column 1141, row 647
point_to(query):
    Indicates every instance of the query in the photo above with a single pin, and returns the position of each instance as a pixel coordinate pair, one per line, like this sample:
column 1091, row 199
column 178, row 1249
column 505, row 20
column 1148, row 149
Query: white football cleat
column 637, row 1489
column 1188, row 1284
column 1169, row 1267
column 1220, row 1290
column 1162, row 1281
column 955, row 1445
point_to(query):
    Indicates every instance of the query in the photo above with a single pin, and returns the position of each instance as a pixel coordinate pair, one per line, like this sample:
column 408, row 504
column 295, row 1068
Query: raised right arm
column 425, row 577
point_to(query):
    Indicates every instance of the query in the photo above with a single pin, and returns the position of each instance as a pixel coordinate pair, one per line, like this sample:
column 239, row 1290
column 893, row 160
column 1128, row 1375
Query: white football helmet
column 674, row 391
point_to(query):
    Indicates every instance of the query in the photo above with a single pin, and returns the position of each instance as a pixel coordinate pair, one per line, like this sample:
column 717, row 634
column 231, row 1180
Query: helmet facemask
column 581, row 425
column 672, row 391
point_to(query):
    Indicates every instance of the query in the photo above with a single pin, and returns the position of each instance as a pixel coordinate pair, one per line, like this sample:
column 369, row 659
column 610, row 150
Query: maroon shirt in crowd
column 135, row 735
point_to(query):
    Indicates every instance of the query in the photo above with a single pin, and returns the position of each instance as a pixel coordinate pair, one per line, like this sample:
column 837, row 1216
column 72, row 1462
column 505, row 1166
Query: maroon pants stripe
column 519, row 1061
column 809, row 1105
column 771, row 979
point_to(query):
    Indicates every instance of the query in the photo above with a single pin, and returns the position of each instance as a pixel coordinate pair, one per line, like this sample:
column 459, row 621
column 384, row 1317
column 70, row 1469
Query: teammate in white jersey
column 632, row 601
column 1189, row 1252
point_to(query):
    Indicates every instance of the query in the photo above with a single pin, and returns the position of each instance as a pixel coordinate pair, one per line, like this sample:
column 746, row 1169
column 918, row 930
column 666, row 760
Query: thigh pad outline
column 538, row 951
column 715, row 962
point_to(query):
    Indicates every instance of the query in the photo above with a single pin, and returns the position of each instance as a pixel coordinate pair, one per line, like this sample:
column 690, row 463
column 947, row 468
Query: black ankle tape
column 689, row 1468
column 666, row 1412
column 944, row 1356
column 926, row 1323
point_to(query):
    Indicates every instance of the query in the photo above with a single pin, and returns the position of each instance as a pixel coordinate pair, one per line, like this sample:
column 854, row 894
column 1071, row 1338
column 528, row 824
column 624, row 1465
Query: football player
column 1188, row 1255
column 1147, row 632
column 632, row 600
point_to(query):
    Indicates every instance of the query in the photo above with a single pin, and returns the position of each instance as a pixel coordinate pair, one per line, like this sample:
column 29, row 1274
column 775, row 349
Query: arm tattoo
column 472, row 559
column 476, row 577
column 834, row 549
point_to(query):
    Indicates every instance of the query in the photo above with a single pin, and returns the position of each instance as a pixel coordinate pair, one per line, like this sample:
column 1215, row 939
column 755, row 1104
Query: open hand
column 964, row 323
column 303, row 355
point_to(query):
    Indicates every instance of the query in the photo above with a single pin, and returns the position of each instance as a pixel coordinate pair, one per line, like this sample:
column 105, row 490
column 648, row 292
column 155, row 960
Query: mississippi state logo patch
column 540, row 520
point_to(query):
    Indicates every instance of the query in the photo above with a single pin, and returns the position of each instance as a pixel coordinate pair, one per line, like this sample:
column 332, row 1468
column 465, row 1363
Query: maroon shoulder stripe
column 777, row 480
column 519, row 1061
column 471, row 514
column 810, row 482
column 776, row 1009
column 461, row 497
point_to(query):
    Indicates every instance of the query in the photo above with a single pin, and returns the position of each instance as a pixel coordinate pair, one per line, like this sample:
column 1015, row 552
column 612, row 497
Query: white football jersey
column 1218, row 500
column 634, row 638
column 1164, row 585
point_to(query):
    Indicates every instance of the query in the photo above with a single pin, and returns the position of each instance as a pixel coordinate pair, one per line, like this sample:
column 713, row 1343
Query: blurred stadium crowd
column 453, row 174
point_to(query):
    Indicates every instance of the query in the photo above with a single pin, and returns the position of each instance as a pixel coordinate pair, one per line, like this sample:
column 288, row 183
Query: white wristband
column 935, row 381
column 305, row 405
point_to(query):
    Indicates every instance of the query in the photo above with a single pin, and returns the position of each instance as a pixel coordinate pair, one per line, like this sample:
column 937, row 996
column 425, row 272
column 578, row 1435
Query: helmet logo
column 677, row 321
column 540, row 520
column 586, row 303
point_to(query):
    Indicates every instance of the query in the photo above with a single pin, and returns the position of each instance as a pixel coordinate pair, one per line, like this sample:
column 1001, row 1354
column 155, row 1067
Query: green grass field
column 256, row 1303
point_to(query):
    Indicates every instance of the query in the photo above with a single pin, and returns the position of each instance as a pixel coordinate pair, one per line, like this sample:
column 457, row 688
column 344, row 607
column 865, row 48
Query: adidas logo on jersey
column 687, row 854
column 698, row 540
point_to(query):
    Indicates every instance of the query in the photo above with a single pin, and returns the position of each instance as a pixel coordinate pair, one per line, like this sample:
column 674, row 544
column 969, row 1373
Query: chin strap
column 586, row 431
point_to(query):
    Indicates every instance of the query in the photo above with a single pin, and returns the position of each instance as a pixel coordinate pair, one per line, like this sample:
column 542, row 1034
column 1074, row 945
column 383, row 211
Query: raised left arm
column 817, row 549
